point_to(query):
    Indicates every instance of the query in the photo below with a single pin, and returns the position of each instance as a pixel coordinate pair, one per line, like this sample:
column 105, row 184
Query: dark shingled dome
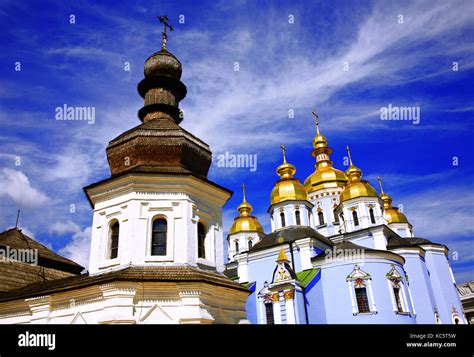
column 163, row 63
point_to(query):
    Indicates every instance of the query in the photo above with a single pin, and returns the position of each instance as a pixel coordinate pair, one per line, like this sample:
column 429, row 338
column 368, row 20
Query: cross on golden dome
column 316, row 120
column 380, row 184
column 283, row 149
column 349, row 154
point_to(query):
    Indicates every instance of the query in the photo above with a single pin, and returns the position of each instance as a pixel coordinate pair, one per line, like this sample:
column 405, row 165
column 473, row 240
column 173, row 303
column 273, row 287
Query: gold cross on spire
column 380, row 183
column 349, row 154
column 316, row 120
column 164, row 20
column 284, row 153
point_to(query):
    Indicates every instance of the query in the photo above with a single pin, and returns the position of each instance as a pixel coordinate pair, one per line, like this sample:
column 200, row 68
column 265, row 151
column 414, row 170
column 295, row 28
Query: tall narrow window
column 372, row 216
column 321, row 218
column 158, row 239
column 362, row 301
column 398, row 300
column 250, row 244
column 269, row 313
column 336, row 217
column 282, row 218
column 114, row 239
column 355, row 218
column 201, row 241
column 298, row 218
column 236, row 247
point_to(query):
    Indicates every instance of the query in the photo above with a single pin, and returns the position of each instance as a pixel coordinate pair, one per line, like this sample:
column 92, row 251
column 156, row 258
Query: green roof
column 305, row 276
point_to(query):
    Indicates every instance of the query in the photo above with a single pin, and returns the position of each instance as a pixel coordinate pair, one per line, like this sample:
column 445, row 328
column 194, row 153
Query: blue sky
column 283, row 65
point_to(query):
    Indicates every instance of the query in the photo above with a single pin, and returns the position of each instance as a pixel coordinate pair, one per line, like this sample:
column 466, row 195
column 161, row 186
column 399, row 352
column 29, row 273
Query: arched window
column 201, row 240
column 372, row 216
column 336, row 217
column 236, row 247
column 361, row 299
column 355, row 218
column 158, row 238
column 250, row 244
column 114, row 239
column 321, row 218
column 298, row 218
column 398, row 299
column 360, row 289
column 282, row 218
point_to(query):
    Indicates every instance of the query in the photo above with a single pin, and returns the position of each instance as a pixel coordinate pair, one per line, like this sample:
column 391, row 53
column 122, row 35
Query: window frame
column 372, row 215
column 282, row 219
column 201, row 241
column 297, row 217
column 156, row 219
column 321, row 221
column 111, row 247
column 355, row 218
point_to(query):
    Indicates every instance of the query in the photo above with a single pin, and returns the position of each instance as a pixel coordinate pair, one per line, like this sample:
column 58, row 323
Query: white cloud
column 16, row 185
column 261, row 97
column 78, row 248
column 64, row 227
column 440, row 212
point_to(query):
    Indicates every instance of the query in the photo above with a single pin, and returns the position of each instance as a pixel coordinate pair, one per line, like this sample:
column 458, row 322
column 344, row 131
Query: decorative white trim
column 371, row 296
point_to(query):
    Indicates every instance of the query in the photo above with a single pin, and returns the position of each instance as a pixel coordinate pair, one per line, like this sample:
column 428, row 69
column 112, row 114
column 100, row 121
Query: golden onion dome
column 356, row 187
column 319, row 140
column 245, row 222
column 325, row 175
column 391, row 214
column 287, row 188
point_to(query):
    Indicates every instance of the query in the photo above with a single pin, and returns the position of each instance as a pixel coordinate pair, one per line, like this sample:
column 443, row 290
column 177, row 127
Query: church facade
column 338, row 252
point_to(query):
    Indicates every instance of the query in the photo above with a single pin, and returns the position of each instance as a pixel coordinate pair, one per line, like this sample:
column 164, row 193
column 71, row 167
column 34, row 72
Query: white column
column 290, row 307
column 371, row 294
column 404, row 299
column 392, row 296
column 276, row 308
column 261, row 308
column 411, row 300
column 353, row 300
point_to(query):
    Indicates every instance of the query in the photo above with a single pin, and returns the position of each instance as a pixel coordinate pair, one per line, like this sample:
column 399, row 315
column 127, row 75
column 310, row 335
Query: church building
column 157, row 245
column 338, row 252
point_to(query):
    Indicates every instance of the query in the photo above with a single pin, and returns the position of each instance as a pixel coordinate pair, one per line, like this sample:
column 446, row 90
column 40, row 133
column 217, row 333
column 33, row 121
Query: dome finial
column 243, row 191
column 244, row 208
column 380, row 183
column 349, row 154
column 316, row 120
column 387, row 200
column 164, row 20
column 283, row 149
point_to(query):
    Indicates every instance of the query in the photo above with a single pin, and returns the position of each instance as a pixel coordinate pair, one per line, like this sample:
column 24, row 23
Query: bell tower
column 158, row 207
